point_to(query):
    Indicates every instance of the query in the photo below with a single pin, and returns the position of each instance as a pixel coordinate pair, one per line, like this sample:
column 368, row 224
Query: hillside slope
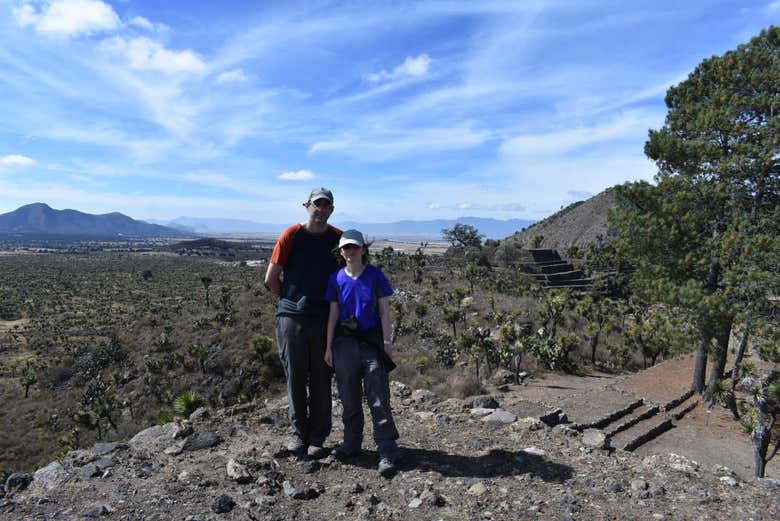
column 579, row 224
column 457, row 464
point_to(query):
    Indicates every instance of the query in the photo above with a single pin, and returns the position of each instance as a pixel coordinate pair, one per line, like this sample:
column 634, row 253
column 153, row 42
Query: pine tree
column 704, row 238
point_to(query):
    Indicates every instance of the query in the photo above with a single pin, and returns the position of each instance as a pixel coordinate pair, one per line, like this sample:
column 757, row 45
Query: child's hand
column 329, row 357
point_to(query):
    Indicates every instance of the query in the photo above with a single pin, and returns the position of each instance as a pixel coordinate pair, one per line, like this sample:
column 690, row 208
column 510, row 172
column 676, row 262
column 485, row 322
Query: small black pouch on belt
column 372, row 337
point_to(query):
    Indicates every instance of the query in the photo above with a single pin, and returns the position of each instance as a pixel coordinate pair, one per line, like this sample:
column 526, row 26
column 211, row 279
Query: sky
column 406, row 110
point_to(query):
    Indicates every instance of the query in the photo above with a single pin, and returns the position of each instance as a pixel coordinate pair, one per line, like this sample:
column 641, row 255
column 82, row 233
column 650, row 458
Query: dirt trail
column 708, row 438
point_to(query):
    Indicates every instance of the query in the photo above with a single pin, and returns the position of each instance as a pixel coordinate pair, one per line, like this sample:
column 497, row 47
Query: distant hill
column 40, row 218
column 491, row 228
column 213, row 226
column 579, row 224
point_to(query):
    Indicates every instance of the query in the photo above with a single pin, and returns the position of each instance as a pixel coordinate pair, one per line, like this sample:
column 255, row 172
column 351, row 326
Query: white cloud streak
column 561, row 141
column 411, row 66
column 146, row 54
column 147, row 25
column 67, row 17
column 16, row 160
column 298, row 175
column 380, row 144
column 232, row 76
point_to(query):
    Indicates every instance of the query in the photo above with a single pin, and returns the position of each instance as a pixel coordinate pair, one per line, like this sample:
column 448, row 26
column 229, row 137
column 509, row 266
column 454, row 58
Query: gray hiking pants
column 302, row 350
column 359, row 367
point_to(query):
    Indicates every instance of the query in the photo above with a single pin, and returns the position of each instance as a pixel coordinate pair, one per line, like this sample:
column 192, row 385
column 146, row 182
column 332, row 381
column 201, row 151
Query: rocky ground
column 462, row 459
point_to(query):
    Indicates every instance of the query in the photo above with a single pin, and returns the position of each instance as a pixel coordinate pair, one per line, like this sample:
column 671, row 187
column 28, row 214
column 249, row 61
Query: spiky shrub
column 721, row 393
column 186, row 403
column 164, row 416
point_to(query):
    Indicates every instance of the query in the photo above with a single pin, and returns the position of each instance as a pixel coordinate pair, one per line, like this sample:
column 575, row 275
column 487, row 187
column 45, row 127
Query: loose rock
column 482, row 401
column 500, row 417
column 400, row 390
column 422, row 395
column 16, row 482
column 238, row 472
column 223, row 504
column 299, row 493
column 594, row 438
column 201, row 413
column 477, row 489
column 201, row 440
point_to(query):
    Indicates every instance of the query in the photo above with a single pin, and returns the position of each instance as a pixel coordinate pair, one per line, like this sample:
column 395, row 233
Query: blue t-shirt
column 358, row 297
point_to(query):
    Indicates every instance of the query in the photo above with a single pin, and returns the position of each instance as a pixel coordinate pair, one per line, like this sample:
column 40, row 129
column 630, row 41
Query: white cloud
column 144, row 23
column 18, row 160
column 417, row 66
column 380, row 145
column 300, row 175
column 146, row 54
column 217, row 180
column 232, row 76
column 67, row 17
column 629, row 124
column 774, row 5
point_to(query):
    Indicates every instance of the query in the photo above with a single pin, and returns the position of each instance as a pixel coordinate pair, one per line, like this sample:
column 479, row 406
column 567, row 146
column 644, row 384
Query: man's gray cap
column 321, row 193
column 351, row 237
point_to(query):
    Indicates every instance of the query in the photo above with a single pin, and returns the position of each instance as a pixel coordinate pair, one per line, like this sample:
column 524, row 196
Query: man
column 302, row 260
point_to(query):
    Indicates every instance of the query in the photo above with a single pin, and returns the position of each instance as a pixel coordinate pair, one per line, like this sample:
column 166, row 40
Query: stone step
column 542, row 255
column 546, row 267
column 558, row 267
column 652, row 425
column 563, row 284
column 641, row 432
column 566, row 275
column 609, row 418
column 682, row 408
column 637, row 415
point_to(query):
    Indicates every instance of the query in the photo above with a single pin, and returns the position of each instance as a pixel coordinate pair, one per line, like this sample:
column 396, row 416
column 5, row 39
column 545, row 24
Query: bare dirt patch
column 8, row 325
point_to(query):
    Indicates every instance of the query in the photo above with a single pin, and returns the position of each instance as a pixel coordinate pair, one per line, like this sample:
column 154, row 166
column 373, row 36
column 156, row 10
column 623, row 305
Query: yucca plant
column 721, row 393
column 186, row 403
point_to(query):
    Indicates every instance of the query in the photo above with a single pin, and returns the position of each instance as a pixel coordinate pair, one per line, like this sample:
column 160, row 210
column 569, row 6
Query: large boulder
column 154, row 438
column 49, row 478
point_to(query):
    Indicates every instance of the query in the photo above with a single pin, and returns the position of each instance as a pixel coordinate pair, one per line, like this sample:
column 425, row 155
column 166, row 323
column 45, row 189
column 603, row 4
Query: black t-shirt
column 307, row 261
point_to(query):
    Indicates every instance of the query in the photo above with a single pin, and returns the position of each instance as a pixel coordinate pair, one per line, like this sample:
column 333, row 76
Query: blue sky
column 407, row 110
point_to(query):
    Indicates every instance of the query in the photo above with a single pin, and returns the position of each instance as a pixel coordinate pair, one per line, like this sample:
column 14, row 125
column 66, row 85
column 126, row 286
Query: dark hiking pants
column 358, row 367
column 302, row 351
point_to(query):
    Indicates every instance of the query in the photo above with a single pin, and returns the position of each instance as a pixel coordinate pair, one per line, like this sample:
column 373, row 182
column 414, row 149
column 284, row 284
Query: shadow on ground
column 497, row 463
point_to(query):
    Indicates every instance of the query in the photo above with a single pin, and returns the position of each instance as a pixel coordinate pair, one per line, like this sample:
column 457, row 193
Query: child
column 359, row 346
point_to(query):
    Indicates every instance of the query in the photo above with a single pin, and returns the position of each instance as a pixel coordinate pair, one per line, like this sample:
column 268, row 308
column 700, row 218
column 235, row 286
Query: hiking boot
column 315, row 452
column 387, row 467
column 341, row 453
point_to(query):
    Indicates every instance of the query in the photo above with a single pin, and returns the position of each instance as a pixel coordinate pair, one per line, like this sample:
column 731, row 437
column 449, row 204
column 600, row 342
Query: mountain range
column 578, row 224
column 40, row 218
column 490, row 228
